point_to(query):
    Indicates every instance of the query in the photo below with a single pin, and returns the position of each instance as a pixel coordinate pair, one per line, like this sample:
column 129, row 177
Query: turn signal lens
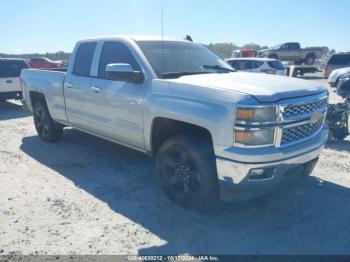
column 256, row 115
column 245, row 114
column 255, row 137
column 243, row 137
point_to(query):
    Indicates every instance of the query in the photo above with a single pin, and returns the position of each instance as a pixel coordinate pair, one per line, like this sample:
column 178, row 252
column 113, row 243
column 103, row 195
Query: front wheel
column 47, row 129
column 186, row 170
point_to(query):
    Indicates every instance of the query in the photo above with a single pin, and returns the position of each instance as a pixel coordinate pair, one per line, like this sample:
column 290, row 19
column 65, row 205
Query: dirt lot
column 87, row 196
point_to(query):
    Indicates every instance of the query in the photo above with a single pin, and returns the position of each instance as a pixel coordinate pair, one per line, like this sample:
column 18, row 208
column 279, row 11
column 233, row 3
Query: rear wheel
column 47, row 129
column 186, row 170
column 310, row 59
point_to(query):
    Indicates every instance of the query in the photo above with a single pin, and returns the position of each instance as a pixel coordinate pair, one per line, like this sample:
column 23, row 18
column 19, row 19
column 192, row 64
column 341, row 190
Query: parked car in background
column 337, row 61
column 343, row 87
column 243, row 53
column 338, row 115
column 10, row 70
column 213, row 131
column 43, row 62
column 258, row 65
column 292, row 52
column 336, row 74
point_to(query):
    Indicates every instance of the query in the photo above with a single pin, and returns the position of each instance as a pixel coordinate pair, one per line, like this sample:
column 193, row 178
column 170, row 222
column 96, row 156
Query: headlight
column 262, row 137
column 256, row 115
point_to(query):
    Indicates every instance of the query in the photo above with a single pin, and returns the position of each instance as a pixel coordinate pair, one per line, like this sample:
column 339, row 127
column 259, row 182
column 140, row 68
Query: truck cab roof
column 134, row 38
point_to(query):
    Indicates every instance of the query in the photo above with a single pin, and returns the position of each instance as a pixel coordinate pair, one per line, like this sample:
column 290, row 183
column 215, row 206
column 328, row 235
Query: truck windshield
column 172, row 59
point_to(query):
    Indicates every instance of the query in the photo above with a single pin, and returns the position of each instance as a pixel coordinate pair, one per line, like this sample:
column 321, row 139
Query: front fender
column 216, row 118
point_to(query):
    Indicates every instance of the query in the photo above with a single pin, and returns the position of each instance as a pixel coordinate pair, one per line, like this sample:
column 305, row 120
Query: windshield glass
column 277, row 46
column 171, row 59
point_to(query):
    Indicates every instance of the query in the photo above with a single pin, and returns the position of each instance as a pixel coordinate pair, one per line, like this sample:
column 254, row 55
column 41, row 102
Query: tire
column 340, row 134
column 47, row 129
column 186, row 171
column 310, row 59
column 274, row 56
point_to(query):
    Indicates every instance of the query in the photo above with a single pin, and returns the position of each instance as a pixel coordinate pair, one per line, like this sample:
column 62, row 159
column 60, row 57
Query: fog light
column 261, row 173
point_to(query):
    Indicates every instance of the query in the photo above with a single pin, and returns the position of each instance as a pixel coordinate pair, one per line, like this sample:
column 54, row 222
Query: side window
column 12, row 68
column 115, row 52
column 83, row 59
column 296, row 46
column 339, row 60
column 248, row 65
column 285, row 47
column 256, row 64
column 234, row 64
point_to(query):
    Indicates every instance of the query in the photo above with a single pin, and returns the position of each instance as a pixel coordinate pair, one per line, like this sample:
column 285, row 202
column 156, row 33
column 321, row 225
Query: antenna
column 163, row 39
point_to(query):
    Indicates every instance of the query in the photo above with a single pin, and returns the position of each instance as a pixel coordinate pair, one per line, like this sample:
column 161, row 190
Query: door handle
column 96, row 89
column 68, row 85
column 9, row 81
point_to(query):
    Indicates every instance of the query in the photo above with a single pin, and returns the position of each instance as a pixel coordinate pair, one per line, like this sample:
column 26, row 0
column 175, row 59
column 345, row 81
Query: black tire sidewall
column 201, row 153
column 54, row 131
column 310, row 56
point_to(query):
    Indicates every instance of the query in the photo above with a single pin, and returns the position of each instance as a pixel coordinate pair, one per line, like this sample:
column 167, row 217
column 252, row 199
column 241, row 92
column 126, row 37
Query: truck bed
column 48, row 82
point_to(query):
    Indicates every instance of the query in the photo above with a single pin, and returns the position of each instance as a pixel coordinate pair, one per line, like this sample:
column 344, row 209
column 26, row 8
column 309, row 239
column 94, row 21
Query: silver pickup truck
column 213, row 131
column 292, row 52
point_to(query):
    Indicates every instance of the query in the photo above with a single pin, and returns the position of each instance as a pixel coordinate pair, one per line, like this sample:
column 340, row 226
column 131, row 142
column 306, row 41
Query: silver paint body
column 124, row 112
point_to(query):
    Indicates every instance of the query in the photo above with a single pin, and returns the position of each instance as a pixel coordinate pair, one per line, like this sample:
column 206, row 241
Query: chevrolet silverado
column 214, row 132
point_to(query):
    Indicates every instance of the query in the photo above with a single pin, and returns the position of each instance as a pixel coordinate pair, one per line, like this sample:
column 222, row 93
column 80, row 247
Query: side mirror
column 124, row 73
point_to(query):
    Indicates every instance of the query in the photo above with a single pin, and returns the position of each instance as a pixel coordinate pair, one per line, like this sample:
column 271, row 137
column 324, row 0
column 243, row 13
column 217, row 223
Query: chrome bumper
column 235, row 181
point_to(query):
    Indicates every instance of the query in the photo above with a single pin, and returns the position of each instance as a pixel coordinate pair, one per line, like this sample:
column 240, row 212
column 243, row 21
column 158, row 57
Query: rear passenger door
column 78, row 100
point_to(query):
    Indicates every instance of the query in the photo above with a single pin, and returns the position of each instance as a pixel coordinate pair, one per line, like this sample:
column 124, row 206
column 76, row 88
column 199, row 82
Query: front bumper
column 237, row 183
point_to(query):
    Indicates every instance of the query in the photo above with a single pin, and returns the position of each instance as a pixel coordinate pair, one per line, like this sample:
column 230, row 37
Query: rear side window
column 343, row 59
column 240, row 64
column 256, row 64
column 234, row 64
column 83, row 59
column 115, row 52
column 276, row 65
column 11, row 68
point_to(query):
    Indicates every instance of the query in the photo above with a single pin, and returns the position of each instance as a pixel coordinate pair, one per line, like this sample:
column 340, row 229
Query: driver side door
column 118, row 106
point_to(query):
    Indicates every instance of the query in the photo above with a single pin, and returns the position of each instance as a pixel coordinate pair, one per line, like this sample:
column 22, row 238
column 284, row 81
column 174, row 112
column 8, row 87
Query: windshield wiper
column 179, row 74
column 219, row 68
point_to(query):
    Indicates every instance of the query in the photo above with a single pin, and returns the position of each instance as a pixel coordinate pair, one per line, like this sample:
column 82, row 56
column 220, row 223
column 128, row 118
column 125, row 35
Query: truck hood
column 265, row 88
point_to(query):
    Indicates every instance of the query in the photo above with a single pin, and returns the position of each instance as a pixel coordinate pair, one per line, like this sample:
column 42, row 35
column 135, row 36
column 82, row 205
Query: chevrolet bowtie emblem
column 316, row 118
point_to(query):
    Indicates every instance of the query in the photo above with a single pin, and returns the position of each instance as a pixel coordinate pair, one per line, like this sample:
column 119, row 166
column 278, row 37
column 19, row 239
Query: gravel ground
column 84, row 195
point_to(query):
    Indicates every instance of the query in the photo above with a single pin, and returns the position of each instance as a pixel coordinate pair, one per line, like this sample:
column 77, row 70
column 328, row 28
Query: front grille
column 303, row 109
column 296, row 133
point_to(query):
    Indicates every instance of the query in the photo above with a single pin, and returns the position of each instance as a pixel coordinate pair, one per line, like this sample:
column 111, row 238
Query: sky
column 28, row 26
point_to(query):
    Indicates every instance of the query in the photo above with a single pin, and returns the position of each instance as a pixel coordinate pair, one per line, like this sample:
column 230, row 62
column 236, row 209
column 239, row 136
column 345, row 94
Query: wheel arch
column 163, row 128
